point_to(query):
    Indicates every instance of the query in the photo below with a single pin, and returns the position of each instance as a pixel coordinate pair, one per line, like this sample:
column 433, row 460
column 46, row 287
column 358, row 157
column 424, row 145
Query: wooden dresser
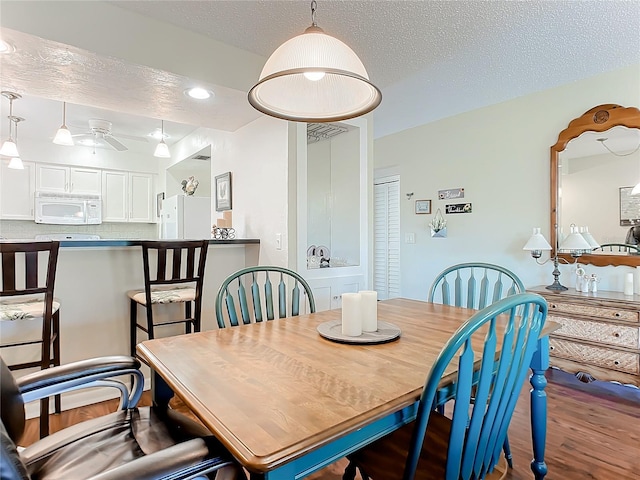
column 600, row 334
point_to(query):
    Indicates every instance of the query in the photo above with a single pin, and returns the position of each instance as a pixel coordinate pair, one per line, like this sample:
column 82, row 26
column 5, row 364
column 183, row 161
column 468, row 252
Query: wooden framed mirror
column 598, row 123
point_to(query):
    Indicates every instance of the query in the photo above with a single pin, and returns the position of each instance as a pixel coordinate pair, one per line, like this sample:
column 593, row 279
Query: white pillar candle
column 369, row 310
column 628, row 284
column 351, row 314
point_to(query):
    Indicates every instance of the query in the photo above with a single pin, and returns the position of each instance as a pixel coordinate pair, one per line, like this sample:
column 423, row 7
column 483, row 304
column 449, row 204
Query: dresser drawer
column 618, row 335
column 594, row 311
column 598, row 356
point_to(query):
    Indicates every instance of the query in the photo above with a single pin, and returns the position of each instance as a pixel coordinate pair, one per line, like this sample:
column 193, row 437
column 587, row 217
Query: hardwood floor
column 593, row 431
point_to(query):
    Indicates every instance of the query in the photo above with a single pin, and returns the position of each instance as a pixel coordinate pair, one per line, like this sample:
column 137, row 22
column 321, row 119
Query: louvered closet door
column 386, row 244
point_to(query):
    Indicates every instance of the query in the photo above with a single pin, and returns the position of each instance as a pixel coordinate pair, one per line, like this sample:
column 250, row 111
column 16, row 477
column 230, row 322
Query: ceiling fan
column 100, row 133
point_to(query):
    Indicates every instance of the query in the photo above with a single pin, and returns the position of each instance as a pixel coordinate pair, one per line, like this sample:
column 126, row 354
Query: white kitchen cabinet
column 62, row 179
column 127, row 197
column 17, row 189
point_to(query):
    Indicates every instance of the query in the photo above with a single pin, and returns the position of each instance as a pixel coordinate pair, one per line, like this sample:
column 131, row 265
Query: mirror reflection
column 595, row 176
column 597, row 173
column 333, row 195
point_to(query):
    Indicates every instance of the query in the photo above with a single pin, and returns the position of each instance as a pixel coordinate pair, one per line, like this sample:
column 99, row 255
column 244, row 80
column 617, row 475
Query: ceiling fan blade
column 115, row 143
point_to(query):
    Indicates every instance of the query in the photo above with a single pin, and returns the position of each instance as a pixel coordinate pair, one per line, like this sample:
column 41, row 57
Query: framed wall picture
column 423, row 206
column 223, row 192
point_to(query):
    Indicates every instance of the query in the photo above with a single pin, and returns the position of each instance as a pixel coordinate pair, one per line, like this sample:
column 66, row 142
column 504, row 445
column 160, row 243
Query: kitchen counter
column 133, row 243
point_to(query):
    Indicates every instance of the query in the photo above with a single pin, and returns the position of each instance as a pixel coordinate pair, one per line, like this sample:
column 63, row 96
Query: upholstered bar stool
column 173, row 273
column 27, row 296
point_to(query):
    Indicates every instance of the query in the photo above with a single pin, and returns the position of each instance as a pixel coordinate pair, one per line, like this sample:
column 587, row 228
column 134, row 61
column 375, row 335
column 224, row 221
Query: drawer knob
column 617, row 314
column 616, row 362
column 552, row 348
column 616, row 334
column 553, row 305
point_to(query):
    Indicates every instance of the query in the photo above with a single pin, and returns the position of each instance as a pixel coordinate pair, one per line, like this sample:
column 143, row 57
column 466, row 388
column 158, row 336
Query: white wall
column 500, row 155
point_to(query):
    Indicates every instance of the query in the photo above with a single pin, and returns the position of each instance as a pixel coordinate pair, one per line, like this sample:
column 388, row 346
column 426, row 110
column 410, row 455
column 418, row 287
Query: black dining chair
column 27, row 296
column 133, row 442
column 173, row 274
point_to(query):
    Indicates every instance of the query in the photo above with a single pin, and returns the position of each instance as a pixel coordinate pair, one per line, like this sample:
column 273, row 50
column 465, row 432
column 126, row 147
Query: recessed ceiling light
column 198, row 93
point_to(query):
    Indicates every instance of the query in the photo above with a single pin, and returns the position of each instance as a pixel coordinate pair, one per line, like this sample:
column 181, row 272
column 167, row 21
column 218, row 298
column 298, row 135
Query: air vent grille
column 201, row 157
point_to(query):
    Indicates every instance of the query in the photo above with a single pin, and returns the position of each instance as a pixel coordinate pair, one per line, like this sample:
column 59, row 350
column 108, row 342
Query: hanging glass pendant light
column 314, row 77
column 9, row 147
column 162, row 149
column 16, row 162
column 63, row 135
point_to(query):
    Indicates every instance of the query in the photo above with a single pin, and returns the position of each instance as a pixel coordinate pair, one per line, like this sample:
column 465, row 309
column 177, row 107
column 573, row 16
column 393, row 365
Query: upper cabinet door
column 85, row 180
column 114, row 196
column 17, row 188
column 52, row 178
column 61, row 179
column 141, row 204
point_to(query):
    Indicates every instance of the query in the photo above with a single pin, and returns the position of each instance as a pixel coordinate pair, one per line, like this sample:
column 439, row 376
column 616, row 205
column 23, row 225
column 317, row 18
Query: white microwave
column 68, row 209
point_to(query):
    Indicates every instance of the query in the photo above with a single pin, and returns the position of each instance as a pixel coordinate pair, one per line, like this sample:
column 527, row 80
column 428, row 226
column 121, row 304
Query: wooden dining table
column 286, row 401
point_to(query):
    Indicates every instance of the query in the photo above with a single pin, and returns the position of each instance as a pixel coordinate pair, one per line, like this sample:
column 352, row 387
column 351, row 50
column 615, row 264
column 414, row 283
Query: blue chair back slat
column 268, row 295
column 477, row 438
column 282, row 298
column 231, row 309
column 255, row 298
column 242, row 300
column 481, row 396
column 471, row 290
column 460, row 411
column 476, row 285
column 295, row 301
column 483, row 298
column 256, row 308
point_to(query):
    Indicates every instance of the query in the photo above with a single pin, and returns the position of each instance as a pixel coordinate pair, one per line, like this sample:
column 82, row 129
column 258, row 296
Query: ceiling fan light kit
column 162, row 149
column 63, row 135
column 314, row 77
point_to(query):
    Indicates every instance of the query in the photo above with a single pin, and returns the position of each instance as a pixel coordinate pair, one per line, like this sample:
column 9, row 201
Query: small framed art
column 223, row 192
column 423, row 206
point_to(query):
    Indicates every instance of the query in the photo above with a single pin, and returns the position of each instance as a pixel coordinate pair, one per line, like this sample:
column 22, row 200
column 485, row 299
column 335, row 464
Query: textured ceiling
column 432, row 59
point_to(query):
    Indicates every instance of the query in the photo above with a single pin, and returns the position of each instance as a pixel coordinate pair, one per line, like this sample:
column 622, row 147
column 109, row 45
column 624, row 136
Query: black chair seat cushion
column 104, row 443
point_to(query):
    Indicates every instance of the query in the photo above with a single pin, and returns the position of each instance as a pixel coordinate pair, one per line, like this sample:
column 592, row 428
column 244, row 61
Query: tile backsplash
column 14, row 229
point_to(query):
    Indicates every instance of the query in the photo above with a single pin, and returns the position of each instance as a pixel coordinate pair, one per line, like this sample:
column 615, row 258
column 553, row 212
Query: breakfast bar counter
column 92, row 280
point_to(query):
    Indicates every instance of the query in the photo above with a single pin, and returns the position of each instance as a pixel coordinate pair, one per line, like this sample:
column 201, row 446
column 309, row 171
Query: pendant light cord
column 314, row 6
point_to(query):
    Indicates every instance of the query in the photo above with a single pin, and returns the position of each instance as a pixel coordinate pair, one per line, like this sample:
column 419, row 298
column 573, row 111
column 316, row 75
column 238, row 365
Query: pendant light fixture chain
column 602, row 140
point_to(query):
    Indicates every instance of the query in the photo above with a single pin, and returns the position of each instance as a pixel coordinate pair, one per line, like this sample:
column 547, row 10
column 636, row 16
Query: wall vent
column 201, row 157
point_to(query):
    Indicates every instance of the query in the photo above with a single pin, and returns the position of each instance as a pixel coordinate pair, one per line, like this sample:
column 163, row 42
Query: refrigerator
column 186, row 217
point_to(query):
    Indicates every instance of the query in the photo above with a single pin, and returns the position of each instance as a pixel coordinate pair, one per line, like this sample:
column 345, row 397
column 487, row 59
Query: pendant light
column 63, row 135
column 162, row 150
column 9, row 147
column 16, row 162
column 314, row 77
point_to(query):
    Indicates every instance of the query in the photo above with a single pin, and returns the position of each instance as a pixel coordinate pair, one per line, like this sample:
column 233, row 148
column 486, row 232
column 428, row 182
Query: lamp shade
column 9, row 148
column 63, row 137
column 584, row 231
column 162, row 150
column 16, row 164
column 537, row 241
column 574, row 242
column 314, row 77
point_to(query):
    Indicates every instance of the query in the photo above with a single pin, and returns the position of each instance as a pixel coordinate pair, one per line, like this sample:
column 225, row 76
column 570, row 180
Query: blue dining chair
column 261, row 306
column 474, row 285
column 467, row 445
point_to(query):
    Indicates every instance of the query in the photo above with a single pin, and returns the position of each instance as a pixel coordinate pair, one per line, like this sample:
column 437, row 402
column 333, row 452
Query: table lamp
column 574, row 243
